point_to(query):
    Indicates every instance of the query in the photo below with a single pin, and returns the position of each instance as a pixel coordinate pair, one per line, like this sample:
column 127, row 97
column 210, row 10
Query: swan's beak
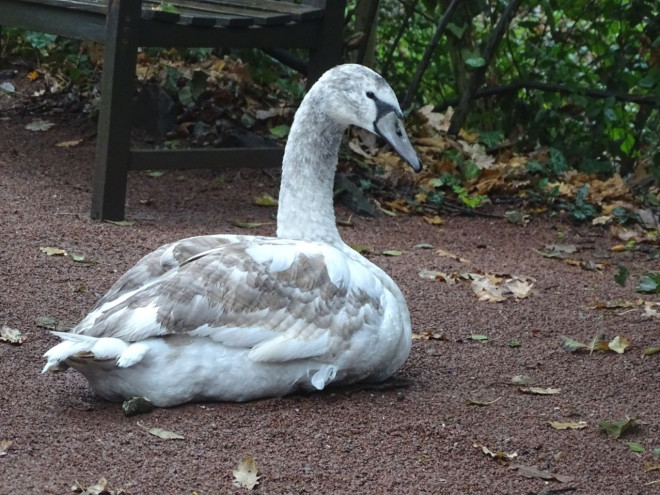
column 390, row 127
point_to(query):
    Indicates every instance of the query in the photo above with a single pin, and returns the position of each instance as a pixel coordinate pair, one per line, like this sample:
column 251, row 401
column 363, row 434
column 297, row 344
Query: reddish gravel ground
column 418, row 439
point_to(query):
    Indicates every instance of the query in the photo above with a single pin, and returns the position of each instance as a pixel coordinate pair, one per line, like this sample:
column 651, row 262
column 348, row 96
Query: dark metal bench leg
column 115, row 116
column 328, row 54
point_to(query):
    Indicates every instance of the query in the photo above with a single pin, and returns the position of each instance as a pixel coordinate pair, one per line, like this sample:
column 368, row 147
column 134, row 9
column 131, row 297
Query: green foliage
column 566, row 46
column 581, row 209
column 649, row 283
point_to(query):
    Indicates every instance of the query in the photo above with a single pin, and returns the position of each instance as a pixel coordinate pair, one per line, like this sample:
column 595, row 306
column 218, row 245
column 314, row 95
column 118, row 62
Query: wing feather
column 284, row 300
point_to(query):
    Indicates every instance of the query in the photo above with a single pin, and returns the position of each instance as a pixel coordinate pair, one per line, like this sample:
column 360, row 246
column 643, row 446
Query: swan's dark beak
column 390, row 127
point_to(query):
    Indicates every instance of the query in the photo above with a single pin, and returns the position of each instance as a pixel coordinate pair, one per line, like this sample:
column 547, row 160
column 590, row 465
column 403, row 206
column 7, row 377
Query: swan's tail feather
column 83, row 346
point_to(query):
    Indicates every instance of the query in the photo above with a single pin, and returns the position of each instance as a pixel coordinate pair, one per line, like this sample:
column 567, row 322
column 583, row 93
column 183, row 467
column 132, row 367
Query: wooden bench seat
column 125, row 25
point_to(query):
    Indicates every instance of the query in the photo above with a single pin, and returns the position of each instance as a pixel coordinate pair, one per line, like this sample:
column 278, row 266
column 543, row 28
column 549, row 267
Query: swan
column 236, row 318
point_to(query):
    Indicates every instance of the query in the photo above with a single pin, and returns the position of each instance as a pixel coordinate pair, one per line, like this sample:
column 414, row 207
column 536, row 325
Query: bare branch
column 479, row 73
column 430, row 48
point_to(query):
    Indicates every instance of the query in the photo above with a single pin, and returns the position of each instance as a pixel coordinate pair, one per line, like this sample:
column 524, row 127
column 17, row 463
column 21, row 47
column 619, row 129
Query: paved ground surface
column 419, row 439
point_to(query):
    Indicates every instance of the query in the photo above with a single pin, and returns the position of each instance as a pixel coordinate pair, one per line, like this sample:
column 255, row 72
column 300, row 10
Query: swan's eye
column 371, row 95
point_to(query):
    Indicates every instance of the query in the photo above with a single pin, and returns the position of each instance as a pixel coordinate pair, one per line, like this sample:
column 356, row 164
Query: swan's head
column 355, row 95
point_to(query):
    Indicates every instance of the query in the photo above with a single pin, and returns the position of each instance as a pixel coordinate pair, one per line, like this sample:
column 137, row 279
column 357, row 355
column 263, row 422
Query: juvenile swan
column 234, row 318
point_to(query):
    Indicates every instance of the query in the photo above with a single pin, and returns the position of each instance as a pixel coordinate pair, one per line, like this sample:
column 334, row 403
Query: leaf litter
column 165, row 434
column 496, row 455
column 599, row 343
column 11, row 335
column 615, row 429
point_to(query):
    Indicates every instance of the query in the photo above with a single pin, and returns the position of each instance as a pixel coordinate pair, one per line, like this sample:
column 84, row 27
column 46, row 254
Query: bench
column 125, row 25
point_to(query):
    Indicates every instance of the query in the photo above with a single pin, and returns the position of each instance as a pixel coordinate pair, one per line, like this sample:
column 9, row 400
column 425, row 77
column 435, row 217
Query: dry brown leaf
column 495, row 455
column 435, row 220
column 52, row 251
column 429, row 335
column 69, row 144
column 4, row 446
column 558, row 425
column 618, row 344
column 636, row 234
column 11, row 335
column 446, row 254
column 491, row 288
column 99, row 488
column 436, row 275
column 437, row 121
column 518, row 287
column 651, row 466
column 245, row 473
column 534, row 472
column 167, row 435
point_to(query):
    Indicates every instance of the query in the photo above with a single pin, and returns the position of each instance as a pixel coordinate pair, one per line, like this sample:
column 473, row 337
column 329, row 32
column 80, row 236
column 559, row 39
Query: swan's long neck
column 306, row 210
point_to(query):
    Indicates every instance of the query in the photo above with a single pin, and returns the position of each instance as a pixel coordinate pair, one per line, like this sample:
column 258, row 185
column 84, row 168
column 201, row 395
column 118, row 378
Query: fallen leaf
column 39, row 125
column 280, row 131
column 649, row 351
column 245, row 473
column 649, row 283
column 522, row 380
column 155, row 173
column 602, row 220
column 436, row 275
column 51, row 251
column 99, row 488
column 635, row 447
column 69, row 144
column 557, row 425
column 52, row 324
column 534, row 472
column 122, row 223
column 471, row 402
column 648, row 466
column 513, row 343
column 167, row 435
column 423, row 245
column 571, row 345
column 562, row 248
column 517, row 217
column 621, row 276
column 33, row 76
column 479, row 338
column 265, row 200
column 11, row 335
column 446, row 254
column 392, row 252
column 519, row 288
column 495, row 455
column 486, row 290
column 4, row 446
column 7, row 87
column 435, row 220
column 617, row 428
column 429, row 335
column 618, row 344
column 248, row 225
column 540, row 391
column 362, row 248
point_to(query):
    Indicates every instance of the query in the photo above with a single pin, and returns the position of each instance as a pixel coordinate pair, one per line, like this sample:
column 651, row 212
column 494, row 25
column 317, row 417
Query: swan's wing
column 284, row 300
column 167, row 257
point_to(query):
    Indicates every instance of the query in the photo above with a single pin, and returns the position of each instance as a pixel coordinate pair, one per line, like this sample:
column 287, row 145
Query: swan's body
column 234, row 318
